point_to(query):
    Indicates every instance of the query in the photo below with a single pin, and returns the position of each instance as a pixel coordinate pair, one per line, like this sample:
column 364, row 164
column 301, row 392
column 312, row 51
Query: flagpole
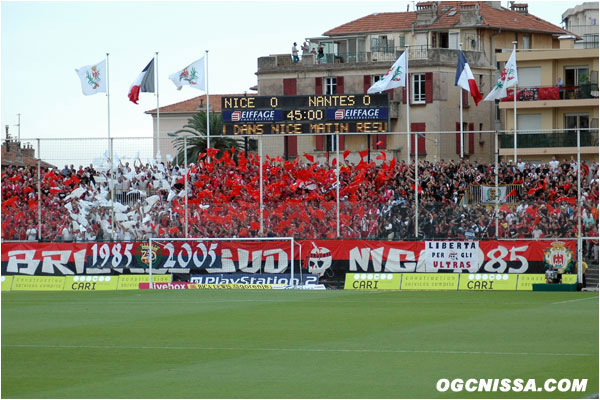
column 337, row 179
column 108, row 95
column 208, row 107
column 496, row 179
column 158, row 155
column 462, row 139
column 406, row 82
column 110, row 147
column 515, row 108
column 260, row 179
column 416, row 187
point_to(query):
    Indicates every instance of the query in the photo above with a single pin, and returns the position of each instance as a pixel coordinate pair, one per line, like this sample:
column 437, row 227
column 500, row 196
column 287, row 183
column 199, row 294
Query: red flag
column 173, row 230
column 310, row 158
column 346, row 154
column 381, row 156
column 211, row 152
column 255, row 226
column 380, row 143
column 513, row 192
column 363, row 153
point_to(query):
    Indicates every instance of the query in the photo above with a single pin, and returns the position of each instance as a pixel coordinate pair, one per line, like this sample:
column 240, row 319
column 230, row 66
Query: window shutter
column 319, row 142
column 318, row 85
column 404, row 95
column 383, row 140
column 339, row 85
column 292, row 146
column 419, row 127
column 471, row 138
column 465, row 98
column 289, row 86
column 428, row 87
column 342, row 144
column 458, row 138
column 366, row 82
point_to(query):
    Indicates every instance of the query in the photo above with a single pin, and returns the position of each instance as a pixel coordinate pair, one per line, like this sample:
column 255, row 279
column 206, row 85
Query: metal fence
column 115, row 190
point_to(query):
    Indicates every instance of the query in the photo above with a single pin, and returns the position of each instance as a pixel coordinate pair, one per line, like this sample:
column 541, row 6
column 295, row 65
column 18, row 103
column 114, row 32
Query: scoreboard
column 258, row 115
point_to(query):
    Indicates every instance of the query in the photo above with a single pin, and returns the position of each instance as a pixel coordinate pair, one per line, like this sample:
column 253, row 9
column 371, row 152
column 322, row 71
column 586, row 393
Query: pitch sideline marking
column 569, row 301
column 291, row 350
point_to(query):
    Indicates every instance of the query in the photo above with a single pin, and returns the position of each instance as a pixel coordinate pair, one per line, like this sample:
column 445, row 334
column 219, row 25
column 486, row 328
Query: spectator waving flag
column 93, row 78
column 143, row 83
column 465, row 78
column 192, row 75
column 395, row 77
column 508, row 78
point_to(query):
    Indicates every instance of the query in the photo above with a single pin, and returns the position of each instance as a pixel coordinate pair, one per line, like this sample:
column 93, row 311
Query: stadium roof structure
column 449, row 16
column 196, row 104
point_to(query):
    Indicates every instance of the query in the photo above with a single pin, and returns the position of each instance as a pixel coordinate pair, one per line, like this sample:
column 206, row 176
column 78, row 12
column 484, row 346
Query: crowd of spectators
column 377, row 200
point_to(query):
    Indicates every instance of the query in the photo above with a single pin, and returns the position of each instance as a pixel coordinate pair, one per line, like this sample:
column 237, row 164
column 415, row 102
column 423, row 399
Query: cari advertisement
column 372, row 281
column 488, row 282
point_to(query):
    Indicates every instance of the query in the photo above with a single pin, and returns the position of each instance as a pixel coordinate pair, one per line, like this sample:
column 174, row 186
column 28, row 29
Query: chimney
column 521, row 8
column 427, row 12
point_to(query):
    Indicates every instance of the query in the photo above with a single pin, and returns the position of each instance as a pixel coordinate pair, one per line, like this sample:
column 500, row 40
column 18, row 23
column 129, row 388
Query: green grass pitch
column 291, row 344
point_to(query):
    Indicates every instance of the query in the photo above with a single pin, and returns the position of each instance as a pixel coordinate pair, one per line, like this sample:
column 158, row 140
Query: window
column 530, row 76
column 575, row 76
column 529, row 122
column 418, row 89
column 330, row 85
column 574, row 122
column 527, row 41
column 330, row 144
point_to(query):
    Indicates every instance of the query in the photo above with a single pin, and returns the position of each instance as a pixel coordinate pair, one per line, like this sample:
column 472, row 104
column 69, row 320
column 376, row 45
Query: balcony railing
column 567, row 138
column 583, row 91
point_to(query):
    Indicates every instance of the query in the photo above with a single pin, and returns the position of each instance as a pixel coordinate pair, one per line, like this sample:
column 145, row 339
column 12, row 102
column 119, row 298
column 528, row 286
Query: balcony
column 567, row 138
column 585, row 91
column 421, row 55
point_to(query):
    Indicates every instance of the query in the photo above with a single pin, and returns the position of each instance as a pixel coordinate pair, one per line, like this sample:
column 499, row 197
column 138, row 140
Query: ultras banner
column 322, row 257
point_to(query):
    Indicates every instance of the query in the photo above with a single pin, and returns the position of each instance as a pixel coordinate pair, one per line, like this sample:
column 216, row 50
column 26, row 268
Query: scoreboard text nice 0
column 267, row 115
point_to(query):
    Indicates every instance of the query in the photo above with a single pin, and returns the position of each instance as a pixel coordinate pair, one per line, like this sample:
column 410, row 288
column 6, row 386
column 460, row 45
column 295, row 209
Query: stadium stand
column 376, row 200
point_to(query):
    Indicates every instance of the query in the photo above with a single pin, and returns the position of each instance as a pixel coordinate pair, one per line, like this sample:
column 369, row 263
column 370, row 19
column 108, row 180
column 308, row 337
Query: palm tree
column 196, row 141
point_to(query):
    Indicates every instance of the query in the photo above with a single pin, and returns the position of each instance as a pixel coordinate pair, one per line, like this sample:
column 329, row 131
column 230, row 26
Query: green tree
column 195, row 132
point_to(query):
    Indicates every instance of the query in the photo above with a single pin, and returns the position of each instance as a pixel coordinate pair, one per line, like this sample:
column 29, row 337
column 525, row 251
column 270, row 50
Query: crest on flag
column 189, row 76
column 93, row 77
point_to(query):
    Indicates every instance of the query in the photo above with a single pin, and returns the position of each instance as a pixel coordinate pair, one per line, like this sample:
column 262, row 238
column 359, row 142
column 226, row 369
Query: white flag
column 93, row 78
column 395, row 77
column 192, row 75
column 508, row 78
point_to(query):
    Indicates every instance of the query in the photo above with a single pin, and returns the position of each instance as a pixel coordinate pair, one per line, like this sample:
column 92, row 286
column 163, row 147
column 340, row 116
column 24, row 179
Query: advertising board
column 368, row 281
column 429, row 281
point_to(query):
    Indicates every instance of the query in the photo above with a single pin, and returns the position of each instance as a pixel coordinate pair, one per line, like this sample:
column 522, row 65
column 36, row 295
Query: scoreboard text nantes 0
column 267, row 115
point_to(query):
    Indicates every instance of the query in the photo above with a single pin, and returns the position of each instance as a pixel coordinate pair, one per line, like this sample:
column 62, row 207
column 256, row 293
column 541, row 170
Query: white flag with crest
column 395, row 77
column 192, row 75
column 93, row 78
column 508, row 78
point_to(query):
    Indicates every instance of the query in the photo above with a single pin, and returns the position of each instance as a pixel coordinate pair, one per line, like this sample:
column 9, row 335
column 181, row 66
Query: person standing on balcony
column 305, row 49
column 560, row 84
column 320, row 54
column 295, row 53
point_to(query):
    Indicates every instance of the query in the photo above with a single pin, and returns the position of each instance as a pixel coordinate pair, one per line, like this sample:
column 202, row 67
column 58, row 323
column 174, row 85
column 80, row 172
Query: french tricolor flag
column 465, row 78
column 143, row 83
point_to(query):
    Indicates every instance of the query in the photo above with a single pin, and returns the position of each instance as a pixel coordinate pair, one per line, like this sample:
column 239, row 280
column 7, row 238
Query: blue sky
column 43, row 43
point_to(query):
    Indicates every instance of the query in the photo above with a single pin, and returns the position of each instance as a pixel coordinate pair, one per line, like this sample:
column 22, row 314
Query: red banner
column 322, row 257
